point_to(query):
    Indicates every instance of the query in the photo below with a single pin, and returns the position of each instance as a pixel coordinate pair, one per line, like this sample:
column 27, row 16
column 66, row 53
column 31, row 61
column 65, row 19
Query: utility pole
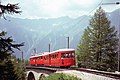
column 119, row 44
column 49, row 47
column 68, row 42
column 22, row 55
column 35, row 50
column 116, row 3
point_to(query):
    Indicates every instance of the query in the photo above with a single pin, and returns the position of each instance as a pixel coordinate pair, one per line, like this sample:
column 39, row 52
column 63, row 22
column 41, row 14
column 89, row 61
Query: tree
column 10, row 69
column 19, row 67
column 83, row 51
column 9, row 9
column 7, row 45
column 102, row 42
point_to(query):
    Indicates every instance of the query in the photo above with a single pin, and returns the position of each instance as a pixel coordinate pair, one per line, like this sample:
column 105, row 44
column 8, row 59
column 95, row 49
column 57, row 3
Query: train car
column 33, row 60
column 47, row 60
column 63, row 58
column 58, row 58
column 55, row 60
column 39, row 60
column 36, row 60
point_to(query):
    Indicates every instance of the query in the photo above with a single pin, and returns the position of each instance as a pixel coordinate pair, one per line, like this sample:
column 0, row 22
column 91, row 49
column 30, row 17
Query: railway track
column 96, row 72
column 102, row 73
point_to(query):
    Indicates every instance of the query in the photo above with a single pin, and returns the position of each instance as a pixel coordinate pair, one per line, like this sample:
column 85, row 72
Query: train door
column 49, row 60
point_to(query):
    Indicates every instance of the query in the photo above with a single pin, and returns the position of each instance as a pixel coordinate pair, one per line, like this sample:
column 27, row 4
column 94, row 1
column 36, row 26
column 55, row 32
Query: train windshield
column 68, row 55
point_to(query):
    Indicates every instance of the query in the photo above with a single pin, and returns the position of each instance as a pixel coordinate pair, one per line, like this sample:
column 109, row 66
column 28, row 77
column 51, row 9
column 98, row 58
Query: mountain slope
column 39, row 33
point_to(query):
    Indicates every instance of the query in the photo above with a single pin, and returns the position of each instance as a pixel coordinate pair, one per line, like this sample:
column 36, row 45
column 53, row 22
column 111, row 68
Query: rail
column 102, row 73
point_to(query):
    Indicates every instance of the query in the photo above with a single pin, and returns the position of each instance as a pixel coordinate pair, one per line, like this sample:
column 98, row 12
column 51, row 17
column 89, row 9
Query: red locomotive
column 58, row 58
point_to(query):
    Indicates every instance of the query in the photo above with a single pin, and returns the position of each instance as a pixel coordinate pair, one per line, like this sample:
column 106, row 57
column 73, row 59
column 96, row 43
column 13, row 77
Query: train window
column 73, row 55
column 40, row 57
column 63, row 55
column 45, row 57
column 57, row 56
column 67, row 55
column 51, row 56
column 37, row 58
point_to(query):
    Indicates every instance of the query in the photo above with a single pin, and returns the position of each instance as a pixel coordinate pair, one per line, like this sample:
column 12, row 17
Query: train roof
column 61, row 50
column 46, row 53
column 36, row 55
column 66, row 49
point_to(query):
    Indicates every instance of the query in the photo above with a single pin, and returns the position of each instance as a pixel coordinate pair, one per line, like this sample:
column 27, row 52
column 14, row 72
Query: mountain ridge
column 39, row 33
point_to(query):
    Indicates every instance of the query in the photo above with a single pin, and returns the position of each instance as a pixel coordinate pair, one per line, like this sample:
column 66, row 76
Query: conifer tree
column 9, row 9
column 7, row 45
column 9, row 69
column 83, row 53
column 103, row 42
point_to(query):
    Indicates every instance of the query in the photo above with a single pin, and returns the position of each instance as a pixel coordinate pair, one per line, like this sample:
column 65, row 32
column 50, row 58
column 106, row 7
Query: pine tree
column 7, row 45
column 10, row 71
column 9, row 68
column 103, row 42
column 9, row 9
column 83, row 53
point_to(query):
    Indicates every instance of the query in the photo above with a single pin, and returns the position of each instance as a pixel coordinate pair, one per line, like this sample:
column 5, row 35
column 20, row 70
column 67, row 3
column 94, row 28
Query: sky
column 35, row 9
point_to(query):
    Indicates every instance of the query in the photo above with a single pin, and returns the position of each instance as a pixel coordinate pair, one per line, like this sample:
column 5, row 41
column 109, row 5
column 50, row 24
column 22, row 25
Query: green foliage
column 83, row 52
column 7, row 45
column 8, row 72
column 19, row 67
column 99, row 43
column 10, row 68
column 59, row 76
column 27, row 62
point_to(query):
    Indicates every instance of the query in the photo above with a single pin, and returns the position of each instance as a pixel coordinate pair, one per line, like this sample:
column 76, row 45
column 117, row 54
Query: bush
column 59, row 76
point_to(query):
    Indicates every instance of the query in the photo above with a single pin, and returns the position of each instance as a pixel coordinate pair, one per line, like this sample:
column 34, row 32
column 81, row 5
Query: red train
column 58, row 58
